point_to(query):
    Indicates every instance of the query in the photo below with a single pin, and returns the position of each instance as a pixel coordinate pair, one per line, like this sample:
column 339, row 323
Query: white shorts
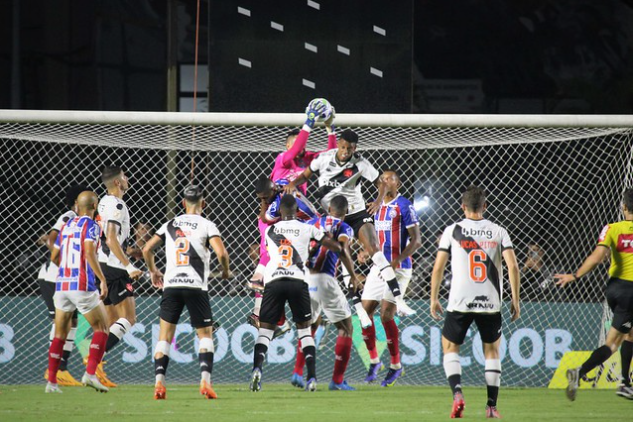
column 376, row 288
column 326, row 295
column 68, row 301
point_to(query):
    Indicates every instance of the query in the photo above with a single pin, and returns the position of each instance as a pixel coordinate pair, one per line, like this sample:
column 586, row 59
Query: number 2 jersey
column 288, row 243
column 476, row 248
column 186, row 239
column 74, row 272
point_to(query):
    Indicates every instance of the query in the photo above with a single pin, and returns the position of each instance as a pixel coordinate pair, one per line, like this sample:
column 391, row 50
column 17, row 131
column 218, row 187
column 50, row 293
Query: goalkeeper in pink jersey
column 289, row 165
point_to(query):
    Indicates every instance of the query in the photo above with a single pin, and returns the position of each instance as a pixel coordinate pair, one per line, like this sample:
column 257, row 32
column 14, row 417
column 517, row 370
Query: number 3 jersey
column 476, row 248
column 186, row 240
column 288, row 243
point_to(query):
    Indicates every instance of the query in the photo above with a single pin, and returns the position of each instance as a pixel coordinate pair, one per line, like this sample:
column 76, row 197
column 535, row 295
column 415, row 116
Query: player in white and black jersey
column 119, row 271
column 47, row 279
column 288, row 244
column 476, row 246
column 340, row 172
column 187, row 240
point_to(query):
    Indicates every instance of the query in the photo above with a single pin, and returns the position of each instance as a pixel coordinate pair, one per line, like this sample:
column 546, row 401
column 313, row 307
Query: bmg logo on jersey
column 281, row 230
column 477, row 233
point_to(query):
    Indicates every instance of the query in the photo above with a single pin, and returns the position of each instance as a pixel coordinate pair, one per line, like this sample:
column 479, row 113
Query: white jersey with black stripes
column 476, row 248
column 186, row 240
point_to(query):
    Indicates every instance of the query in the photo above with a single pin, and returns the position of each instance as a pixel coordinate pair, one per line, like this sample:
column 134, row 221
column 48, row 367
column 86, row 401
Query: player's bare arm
column 600, row 254
column 149, row 257
column 373, row 207
column 515, row 282
column 303, row 178
column 436, row 280
column 55, row 255
column 223, row 256
column 115, row 247
column 93, row 261
column 415, row 241
column 50, row 240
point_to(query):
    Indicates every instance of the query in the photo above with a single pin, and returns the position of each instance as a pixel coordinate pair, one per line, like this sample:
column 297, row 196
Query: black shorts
column 47, row 290
column 197, row 302
column 620, row 299
column 456, row 324
column 358, row 220
column 119, row 285
column 280, row 291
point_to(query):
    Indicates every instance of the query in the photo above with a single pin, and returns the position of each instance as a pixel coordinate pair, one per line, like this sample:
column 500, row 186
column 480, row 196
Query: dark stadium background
column 461, row 56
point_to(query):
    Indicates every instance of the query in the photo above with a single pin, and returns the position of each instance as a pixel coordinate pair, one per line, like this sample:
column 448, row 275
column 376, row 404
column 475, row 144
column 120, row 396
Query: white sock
column 258, row 305
column 493, row 372
column 51, row 336
column 452, row 365
column 70, row 340
column 120, row 327
column 160, row 378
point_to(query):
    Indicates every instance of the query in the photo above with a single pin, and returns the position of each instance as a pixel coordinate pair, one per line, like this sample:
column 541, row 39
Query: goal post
column 552, row 181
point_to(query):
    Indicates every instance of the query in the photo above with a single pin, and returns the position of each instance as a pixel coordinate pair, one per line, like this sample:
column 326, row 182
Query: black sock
column 259, row 355
column 310, row 354
column 111, row 342
column 63, row 365
column 455, row 381
column 206, row 361
column 626, row 353
column 493, row 393
column 598, row 357
column 160, row 365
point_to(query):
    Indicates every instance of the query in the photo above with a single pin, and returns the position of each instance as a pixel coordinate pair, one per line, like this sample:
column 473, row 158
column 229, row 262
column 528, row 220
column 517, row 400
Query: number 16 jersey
column 476, row 248
column 186, row 240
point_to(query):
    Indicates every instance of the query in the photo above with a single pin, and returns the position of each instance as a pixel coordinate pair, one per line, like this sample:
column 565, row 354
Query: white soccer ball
column 327, row 112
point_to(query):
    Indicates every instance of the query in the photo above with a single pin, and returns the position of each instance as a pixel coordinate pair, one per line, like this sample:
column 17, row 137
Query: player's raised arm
column 223, row 256
column 150, row 261
column 515, row 281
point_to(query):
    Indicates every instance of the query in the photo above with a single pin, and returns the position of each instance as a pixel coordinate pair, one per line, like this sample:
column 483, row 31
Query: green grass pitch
column 280, row 403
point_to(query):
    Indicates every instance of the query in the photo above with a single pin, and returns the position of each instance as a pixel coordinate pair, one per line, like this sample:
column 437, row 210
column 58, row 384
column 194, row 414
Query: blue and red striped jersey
column 324, row 260
column 392, row 222
column 74, row 271
column 305, row 210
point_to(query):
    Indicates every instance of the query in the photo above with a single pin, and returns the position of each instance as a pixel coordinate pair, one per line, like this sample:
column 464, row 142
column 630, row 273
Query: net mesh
column 552, row 188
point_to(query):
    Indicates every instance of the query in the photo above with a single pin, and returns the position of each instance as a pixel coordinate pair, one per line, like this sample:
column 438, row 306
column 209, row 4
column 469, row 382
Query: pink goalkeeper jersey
column 289, row 167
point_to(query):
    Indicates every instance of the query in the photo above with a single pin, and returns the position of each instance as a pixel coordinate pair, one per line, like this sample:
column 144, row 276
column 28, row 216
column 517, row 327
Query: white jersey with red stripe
column 288, row 244
column 476, row 248
column 186, row 239
column 74, row 273
column 113, row 210
column 51, row 272
column 392, row 222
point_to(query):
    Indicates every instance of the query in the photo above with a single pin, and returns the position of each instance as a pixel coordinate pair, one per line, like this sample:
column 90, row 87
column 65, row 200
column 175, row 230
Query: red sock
column 97, row 349
column 300, row 361
column 369, row 336
column 391, row 330
column 55, row 358
column 342, row 351
column 282, row 320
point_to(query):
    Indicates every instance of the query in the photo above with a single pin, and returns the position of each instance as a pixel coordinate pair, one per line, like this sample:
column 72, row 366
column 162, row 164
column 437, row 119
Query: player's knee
column 345, row 328
column 388, row 313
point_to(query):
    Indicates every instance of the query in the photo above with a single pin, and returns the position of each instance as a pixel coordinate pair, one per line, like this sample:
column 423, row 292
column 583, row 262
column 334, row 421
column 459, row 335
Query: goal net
column 552, row 181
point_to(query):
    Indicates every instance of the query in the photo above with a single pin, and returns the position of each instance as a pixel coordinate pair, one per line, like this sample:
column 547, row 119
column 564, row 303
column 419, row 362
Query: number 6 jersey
column 476, row 248
column 186, row 240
